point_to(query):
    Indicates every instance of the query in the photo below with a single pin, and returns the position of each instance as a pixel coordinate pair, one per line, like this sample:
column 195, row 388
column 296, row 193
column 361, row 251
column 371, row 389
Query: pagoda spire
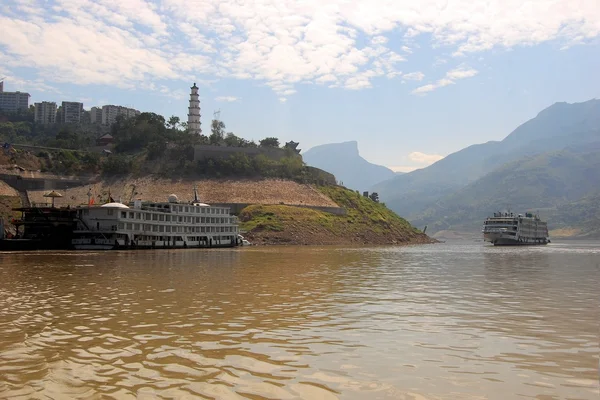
column 194, row 111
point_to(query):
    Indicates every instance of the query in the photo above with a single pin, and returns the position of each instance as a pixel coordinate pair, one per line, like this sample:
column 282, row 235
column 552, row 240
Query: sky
column 411, row 81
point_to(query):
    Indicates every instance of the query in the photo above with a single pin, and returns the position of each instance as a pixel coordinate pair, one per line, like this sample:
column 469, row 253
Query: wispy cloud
column 228, row 99
column 280, row 43
column 451, row 77
column 414, row 76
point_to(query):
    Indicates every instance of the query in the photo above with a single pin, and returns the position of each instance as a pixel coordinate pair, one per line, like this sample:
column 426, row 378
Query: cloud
column 451, row 77
column 279, row 43
column 407, row 49
column 14, row 83
column 460, row 73
column 228, row 99
column 422, row 158
column 424, row 89
column 414, row 76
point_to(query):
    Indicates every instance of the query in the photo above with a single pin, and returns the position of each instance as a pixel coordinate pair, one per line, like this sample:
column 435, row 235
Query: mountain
column 344, row 161
column 555, row 184
column 554, row 128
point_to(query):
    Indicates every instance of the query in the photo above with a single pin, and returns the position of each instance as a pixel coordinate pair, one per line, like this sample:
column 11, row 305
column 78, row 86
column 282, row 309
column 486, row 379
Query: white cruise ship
column 155, row 225
column 511, row 229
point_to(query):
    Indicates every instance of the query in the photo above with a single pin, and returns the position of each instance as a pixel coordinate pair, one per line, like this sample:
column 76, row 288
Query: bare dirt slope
column 267, row 191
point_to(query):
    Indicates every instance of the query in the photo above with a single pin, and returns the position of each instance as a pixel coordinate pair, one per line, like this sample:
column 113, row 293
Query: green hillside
column 555, row 128
column 366, row 222
column 555, row 184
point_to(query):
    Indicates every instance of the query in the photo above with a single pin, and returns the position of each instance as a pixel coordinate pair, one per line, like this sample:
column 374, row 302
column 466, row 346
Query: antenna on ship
column 217, row 115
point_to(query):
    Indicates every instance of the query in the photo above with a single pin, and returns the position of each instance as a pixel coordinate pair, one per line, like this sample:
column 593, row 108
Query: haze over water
column 447, row 321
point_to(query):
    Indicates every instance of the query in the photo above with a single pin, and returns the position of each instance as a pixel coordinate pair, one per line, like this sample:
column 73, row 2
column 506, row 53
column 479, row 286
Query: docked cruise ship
column 510, row 229
column 156, row 225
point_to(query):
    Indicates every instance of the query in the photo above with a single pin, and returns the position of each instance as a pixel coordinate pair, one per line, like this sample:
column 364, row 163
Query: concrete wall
column 201, row 152
column 237, row 207
column 23, row 184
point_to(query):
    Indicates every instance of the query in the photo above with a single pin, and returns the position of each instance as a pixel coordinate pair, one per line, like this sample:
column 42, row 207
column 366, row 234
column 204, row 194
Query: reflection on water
column 451, row 321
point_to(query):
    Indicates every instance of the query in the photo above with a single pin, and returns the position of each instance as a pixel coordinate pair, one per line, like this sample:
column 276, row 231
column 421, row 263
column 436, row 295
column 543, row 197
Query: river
column 457, row 320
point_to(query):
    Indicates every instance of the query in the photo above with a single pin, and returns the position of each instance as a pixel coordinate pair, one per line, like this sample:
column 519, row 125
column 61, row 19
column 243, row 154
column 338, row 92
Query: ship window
column 168, row 228
column 131, row 215
column 110, row 212
column 121, row 225
column 155, row 228
column 138, row 216
column 161, row 217
column 136, row 227
column 168, row 218
column 129, row 226
column 154, row 217
column 161, row 228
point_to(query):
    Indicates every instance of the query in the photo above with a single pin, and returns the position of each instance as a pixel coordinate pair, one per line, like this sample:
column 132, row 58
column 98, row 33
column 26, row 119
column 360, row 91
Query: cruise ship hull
column 502, row 240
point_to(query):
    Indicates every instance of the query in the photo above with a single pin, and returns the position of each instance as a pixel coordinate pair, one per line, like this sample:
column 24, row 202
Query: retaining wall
column 214, row 152
column 236, row 208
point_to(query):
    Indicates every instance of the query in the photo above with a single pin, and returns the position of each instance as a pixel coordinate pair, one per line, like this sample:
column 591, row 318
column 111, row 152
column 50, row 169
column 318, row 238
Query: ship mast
column 196, row 200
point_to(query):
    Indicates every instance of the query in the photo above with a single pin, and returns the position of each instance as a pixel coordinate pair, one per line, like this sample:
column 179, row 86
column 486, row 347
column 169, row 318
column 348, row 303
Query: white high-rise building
column 96, row 115
column 45, row 112
column 110, row 113
column 71, row 112
column 194, row 112
column 13, row 101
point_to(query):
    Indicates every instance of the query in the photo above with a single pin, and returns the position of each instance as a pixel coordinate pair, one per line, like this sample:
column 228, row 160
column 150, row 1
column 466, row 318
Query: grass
column 365, row 221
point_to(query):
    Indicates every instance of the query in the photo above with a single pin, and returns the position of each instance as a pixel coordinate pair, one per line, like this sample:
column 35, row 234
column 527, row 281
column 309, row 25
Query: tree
column 217, row 129
column 173, row 122
column 269, row 142
column 232, row 140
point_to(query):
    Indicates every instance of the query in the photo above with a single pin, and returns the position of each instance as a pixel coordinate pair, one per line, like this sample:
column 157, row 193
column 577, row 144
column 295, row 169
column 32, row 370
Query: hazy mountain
column 546, row 183
column 556, row 127
column 344, row 161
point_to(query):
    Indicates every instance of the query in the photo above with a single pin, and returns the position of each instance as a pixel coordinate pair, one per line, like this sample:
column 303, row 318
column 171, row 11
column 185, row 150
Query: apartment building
column 96, row 115
column 71, row 112
column 14, row 101
column 111, row 112
column 45, row 112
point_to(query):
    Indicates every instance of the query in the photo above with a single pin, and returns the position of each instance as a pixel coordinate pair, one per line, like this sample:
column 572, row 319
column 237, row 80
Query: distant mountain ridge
column 545, row 183
column 344, row 161
column 555, row 128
